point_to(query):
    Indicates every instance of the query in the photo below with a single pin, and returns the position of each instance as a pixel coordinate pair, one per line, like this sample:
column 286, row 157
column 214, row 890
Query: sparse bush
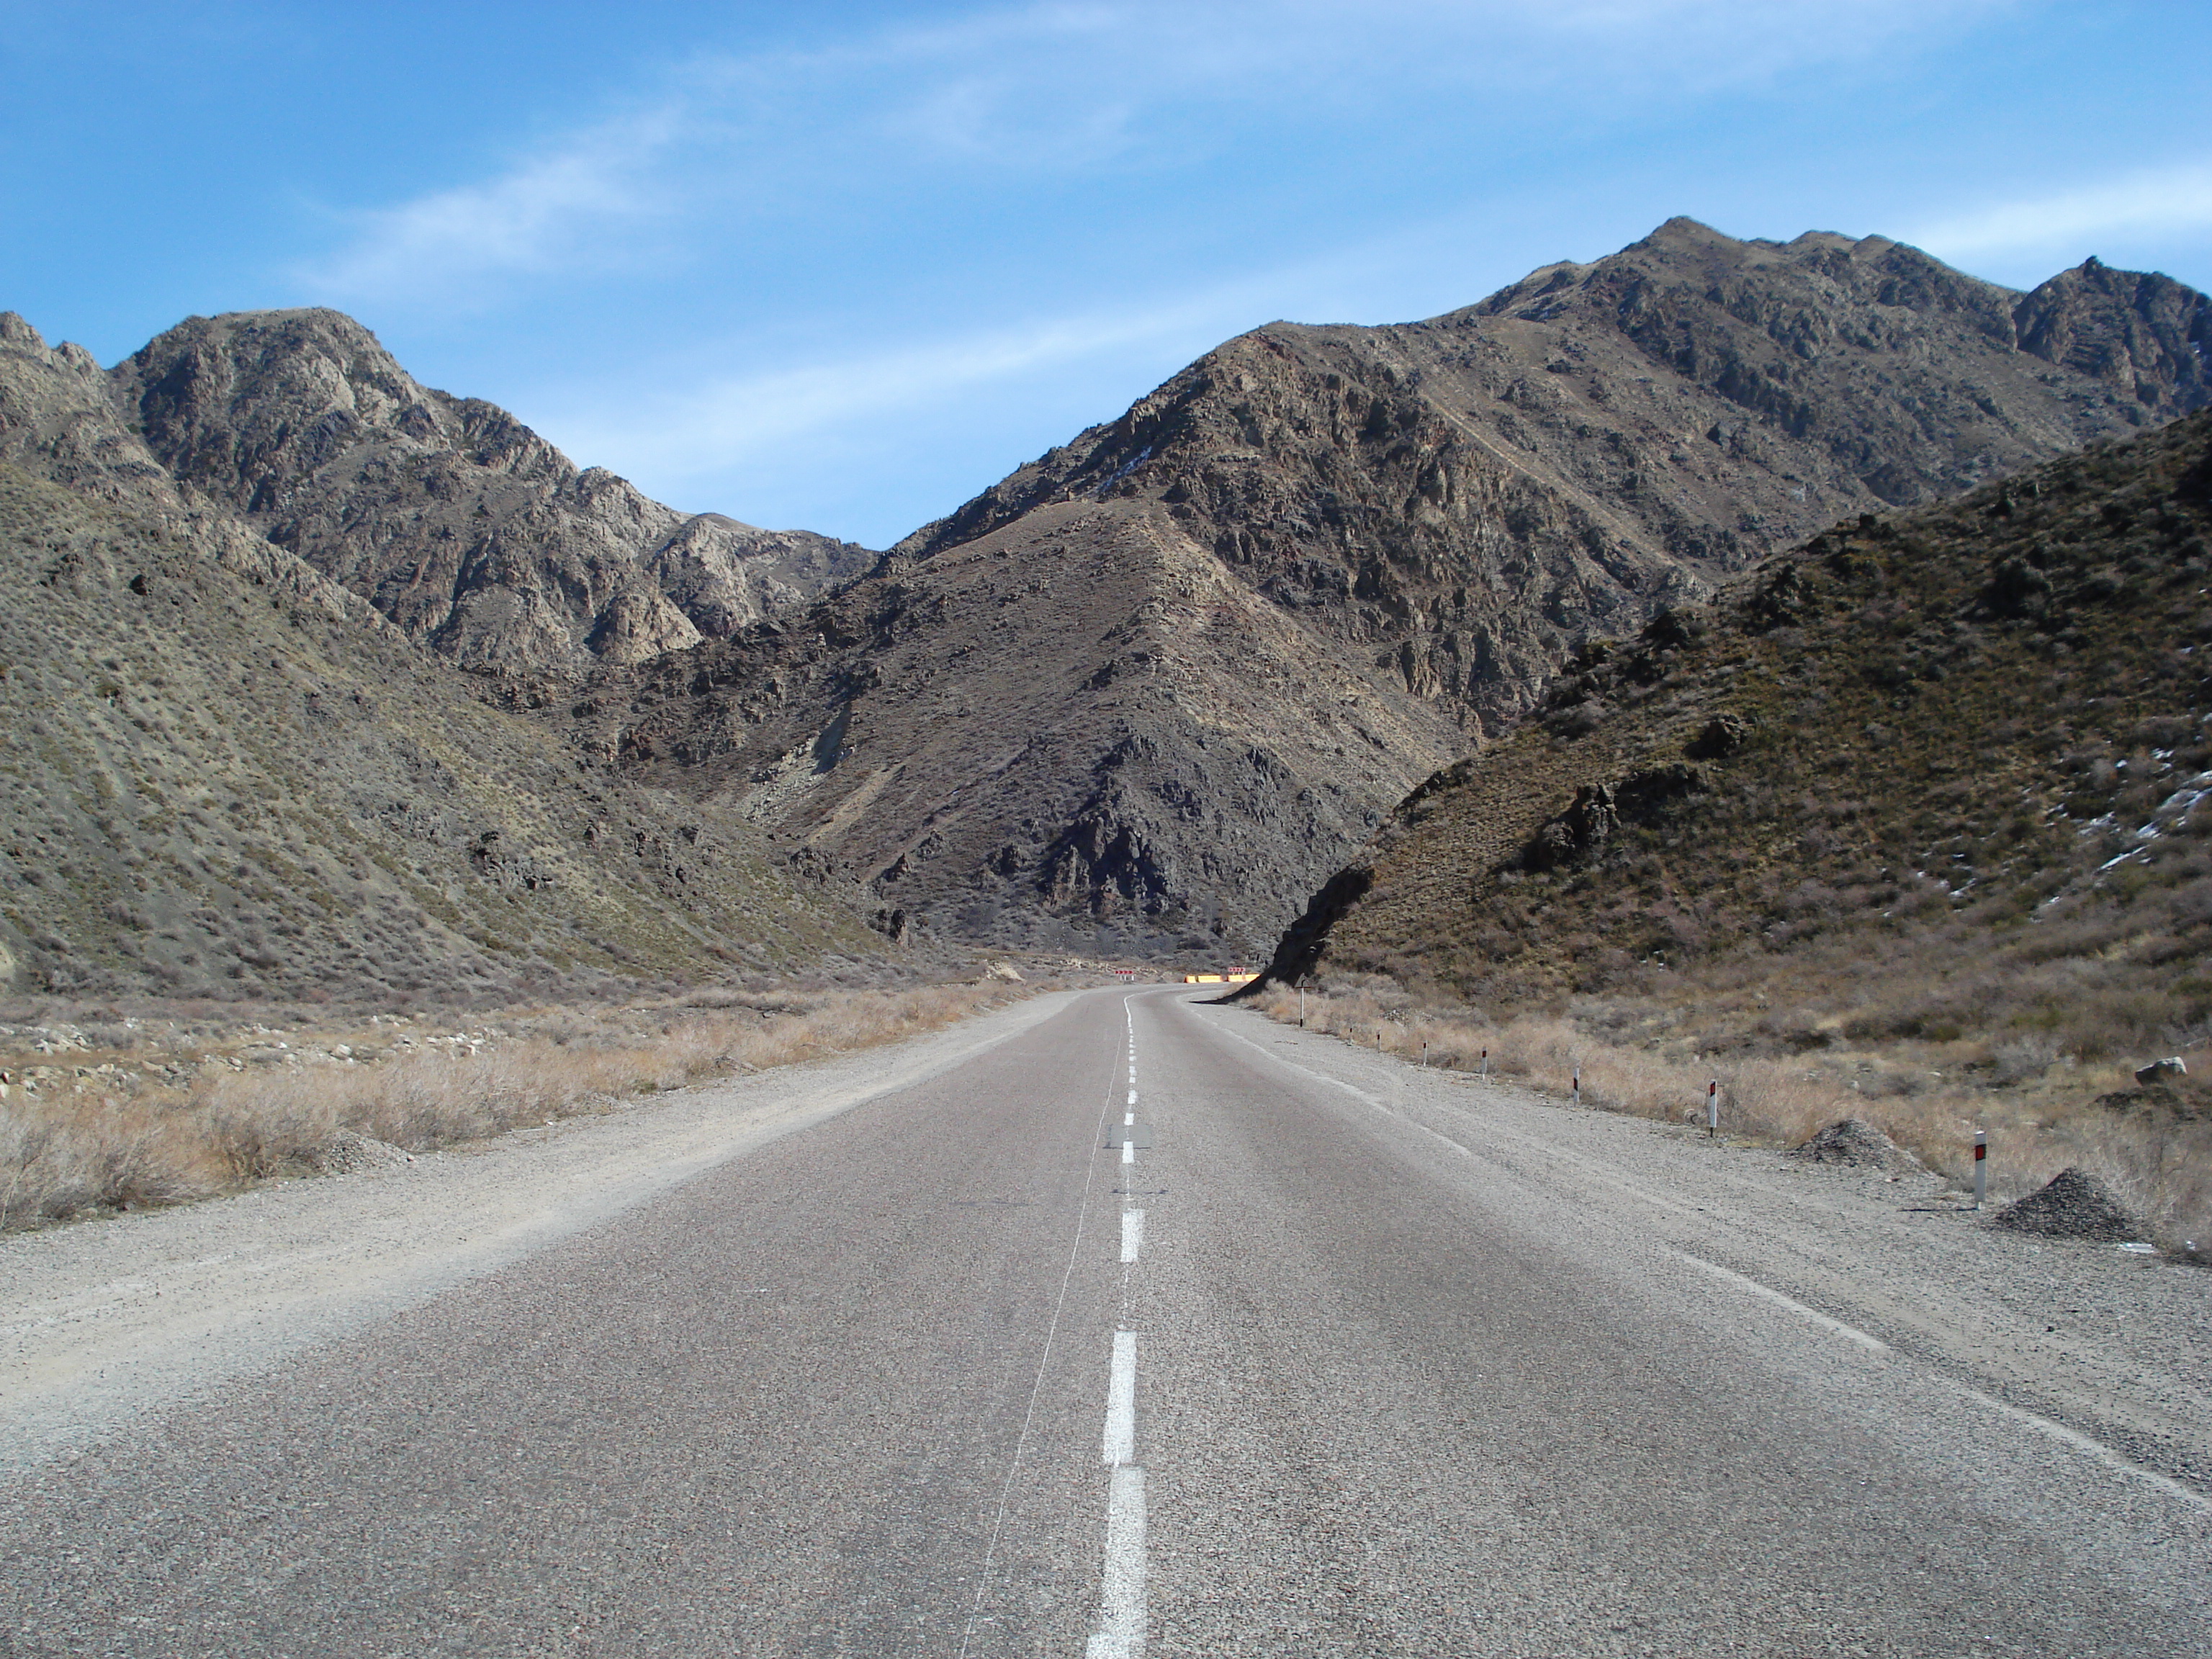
column 2159, row 1162
column 72, row 1148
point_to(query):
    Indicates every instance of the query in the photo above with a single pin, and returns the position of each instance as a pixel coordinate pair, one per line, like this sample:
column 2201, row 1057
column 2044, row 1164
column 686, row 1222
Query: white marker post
column 1575, row 1092
column 1981, row 1166
column 1712, row 1109
column 1425, row 1056
column 1485, row 1065
column 1302, row 1007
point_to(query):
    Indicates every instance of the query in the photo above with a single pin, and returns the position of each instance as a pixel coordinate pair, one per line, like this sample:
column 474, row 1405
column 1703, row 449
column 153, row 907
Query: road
column 1337, row 1357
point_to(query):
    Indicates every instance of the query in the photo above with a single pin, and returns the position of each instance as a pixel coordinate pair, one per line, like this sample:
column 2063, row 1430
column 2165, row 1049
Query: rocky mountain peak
column 1323, row 559
column 2143, row 335
column 462, row 526
column 252, row 406
column 58, row 421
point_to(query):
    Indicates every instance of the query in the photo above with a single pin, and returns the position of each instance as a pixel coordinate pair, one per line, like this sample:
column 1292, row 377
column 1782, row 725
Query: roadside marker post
column 1575, row 1093
column 1302, row 1007
column 1981, row 1166
column 1485, row 1065
column 1425, row 1056
column 1712, row 1109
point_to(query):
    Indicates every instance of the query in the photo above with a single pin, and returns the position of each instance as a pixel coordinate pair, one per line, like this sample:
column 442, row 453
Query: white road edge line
column 1834, row 1327
column 1121, row 1633
column 1491, row 1128
column 1133, row 1234
column 1121, row 1401
column 2116, row 1461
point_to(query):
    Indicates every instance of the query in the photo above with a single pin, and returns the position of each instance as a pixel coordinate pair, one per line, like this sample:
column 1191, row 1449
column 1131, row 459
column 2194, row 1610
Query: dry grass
column 2159, row 1165
column 128, row 1124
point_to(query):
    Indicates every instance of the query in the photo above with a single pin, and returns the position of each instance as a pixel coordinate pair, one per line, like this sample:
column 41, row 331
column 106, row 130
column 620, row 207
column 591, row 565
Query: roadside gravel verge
column 2112, row 1346
column 105, row 1321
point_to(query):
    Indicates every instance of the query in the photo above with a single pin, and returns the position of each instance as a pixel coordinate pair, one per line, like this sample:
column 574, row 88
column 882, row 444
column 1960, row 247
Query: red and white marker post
column 1981, row 1166
column 1712, row 1109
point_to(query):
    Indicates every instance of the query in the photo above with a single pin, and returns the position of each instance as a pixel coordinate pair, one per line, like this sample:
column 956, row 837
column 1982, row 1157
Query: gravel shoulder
column 104, row 1322
column 2071, row 1336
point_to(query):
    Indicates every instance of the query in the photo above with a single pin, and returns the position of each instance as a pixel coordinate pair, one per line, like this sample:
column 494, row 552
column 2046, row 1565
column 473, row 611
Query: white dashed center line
column 1121, row 1401
column 1120, row 1632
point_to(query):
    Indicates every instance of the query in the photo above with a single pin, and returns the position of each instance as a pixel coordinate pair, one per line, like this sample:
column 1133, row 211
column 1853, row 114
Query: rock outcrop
column 1150, row 689
column 1919, row 815
column 459, row 524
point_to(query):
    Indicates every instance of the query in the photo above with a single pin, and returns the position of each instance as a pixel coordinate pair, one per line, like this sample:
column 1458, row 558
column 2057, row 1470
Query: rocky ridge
column 1146, row 690
column 227, row 777
column 457, row 523
column 1142, row 692
column 1937, row 776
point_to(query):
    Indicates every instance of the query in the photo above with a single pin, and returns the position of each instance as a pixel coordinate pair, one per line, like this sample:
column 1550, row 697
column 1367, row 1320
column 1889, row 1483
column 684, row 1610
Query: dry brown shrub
column 2160, row 1165
column 87, row 1152
column 71, row 1150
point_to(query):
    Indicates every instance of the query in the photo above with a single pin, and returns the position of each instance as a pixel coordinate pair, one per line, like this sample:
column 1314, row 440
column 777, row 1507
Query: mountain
column 227, row 776
column 1150, row 689
column 459, row 523
column 1933, row 775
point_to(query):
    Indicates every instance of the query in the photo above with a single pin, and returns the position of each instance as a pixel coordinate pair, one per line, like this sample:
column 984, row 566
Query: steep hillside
column 1451, row 500
column 459, row 523
column 1153, row 686
column 1117, row 746
column 226, row 777
column 1933, row 775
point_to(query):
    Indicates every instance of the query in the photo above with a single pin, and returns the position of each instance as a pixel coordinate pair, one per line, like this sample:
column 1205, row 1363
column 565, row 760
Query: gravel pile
column 2075, row 1204
column 1857, row 1145
column 348, row 1153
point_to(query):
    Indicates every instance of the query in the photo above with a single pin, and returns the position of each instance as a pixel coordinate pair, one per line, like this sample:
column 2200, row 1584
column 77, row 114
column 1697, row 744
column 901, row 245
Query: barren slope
column 226, row 777
column 1150, row 687
column 1935, row 775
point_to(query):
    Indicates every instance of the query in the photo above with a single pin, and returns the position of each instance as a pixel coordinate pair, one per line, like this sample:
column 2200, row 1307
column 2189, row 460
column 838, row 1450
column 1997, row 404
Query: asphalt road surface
column 1324, row 1361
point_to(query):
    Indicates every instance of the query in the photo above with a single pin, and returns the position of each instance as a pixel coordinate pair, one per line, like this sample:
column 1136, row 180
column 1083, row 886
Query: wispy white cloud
column 2163, row 201
column 1039, row 89
column 561, row 208
column 720, row 422
column 724, row 423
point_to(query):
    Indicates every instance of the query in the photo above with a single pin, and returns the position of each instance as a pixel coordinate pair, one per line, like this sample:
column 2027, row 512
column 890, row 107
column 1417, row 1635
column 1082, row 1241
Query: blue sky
column 841, row 266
